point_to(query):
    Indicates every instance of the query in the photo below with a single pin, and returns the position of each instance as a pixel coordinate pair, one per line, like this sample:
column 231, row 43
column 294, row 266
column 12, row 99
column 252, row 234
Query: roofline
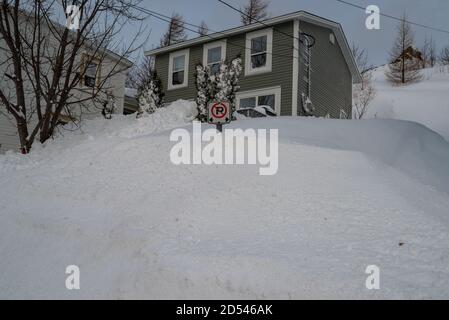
column 113, row 55
column 301, row 15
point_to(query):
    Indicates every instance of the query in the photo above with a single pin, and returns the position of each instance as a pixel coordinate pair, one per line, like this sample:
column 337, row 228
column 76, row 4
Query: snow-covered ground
column 348, row 194
column 425, row 102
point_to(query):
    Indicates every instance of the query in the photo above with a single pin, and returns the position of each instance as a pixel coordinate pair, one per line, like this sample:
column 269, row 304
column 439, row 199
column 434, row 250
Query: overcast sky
column 218, row 17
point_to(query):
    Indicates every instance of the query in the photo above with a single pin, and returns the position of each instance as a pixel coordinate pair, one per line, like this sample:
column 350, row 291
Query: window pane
column 259, row 60
column 178, row 63
column 214, row 55
column 89, row 81
column 248, row 103
column 266, row 101
column 259, row 44
column 91, row 70
column 178, row 78
column 90, row 75
column 214, row 68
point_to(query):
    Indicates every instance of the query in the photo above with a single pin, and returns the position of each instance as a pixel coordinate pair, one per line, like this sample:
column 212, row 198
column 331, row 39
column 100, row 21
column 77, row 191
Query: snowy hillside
column 426, row 102
column 348, row 194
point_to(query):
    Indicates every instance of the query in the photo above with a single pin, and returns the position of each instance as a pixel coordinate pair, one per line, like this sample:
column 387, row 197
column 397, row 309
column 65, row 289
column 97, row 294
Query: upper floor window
column 178, row 69
column 332, row 38
column 90, row 71
column 214, row 54
column 259, row 48
column 90, row 76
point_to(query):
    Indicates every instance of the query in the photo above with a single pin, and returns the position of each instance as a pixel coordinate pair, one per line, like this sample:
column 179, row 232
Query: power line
column 167, row 19
column 396, row 18
column 153, row 13
column 264, row 24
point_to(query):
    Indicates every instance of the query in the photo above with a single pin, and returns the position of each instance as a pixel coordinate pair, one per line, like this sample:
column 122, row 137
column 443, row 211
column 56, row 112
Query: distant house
column 111, row 67
column 297, row 64
column 410, row 54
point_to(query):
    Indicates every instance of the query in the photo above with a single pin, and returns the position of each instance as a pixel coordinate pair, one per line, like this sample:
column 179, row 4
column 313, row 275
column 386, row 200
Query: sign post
column 219, row 113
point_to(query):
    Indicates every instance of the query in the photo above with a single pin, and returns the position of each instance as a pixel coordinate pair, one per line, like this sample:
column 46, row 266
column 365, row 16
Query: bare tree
column 47, row 74
column 203, row 29
column 255, row 10
column 363, row 93
column 444, row 56
column 428, row 52
column 404, row 63
column 175, row 32
column 140, row 73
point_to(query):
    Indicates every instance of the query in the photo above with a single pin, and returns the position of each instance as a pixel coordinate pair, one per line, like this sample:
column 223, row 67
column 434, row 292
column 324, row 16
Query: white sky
column 377, row 42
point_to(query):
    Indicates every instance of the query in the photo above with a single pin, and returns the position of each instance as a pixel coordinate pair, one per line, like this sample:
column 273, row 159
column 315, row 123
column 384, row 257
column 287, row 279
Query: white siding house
column 115, row 85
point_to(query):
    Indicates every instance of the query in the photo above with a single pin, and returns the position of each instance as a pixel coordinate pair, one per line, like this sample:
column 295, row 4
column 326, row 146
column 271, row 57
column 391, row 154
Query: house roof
column 111, row 54
column 301, row 15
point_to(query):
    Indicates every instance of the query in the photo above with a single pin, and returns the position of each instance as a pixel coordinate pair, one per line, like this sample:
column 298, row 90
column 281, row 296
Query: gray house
column 298, row 64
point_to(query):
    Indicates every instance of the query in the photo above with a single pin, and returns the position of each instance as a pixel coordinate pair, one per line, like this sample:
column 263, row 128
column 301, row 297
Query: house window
column 268, row 100
column 258, row 53
column 90, row 76
column 248, row 103
column 332, row 38
column 178, row 70
column 91, row 71
column 213, row 55
column 264, row 97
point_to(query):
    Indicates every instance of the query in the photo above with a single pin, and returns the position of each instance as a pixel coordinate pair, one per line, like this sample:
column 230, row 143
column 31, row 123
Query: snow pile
column 425, row 102
column 172, row 116
column 348, row 194
column 131, row 92
column 175, row 114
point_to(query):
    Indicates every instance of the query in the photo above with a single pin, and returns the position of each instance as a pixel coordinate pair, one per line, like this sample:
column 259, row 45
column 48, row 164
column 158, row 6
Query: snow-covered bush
column 227, row 82
column 202, row 82
column 109, row 107
column 151, row 95
column 221, row 86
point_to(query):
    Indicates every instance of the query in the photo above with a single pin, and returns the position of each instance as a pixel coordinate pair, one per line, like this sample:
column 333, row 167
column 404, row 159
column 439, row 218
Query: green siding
column 281, row 74
column 331, row 77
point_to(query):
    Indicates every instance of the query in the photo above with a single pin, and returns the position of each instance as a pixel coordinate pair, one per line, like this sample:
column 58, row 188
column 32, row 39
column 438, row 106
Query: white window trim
column 267, row 68
column 173, row 55
column 207, row 46
column 262, row 92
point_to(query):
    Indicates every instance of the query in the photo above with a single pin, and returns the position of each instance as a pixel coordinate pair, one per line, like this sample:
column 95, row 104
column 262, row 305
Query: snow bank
column 174, row 115
column 425, row 102
column 407, row 146
column 348, row 194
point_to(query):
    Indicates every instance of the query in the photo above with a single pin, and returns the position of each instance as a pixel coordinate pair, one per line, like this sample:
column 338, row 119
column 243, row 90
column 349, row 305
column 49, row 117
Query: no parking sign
column 219, row 112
